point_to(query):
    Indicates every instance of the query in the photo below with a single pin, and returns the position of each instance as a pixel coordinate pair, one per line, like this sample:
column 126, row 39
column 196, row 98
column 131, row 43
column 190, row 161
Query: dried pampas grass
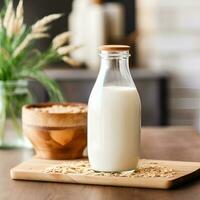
column 61, row 39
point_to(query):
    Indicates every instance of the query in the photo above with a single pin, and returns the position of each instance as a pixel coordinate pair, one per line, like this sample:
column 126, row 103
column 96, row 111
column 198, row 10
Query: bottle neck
column 115, row 67
column 115, row 60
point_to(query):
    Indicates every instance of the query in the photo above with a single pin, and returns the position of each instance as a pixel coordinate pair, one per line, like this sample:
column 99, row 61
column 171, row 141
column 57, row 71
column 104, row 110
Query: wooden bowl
column 57, row 131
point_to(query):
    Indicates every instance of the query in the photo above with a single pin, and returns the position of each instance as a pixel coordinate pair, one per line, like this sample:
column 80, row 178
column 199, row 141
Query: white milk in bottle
column 114, row 114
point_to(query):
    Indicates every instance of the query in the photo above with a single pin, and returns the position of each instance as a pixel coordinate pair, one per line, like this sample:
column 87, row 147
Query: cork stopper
column 99, row 2
column 114, row 48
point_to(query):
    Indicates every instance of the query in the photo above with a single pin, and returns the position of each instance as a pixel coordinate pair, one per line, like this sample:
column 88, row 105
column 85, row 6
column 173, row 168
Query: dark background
column 36, row 9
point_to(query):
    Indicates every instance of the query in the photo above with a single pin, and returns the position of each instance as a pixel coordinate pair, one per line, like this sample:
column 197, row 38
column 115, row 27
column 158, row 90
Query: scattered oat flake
column 62, row 109
column 145, row 170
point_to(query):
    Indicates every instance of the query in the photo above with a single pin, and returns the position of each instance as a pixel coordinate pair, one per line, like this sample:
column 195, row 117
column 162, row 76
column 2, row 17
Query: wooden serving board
column 34, row 170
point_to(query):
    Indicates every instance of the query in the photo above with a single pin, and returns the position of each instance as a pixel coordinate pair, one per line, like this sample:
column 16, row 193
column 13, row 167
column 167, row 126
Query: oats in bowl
column 56, row 130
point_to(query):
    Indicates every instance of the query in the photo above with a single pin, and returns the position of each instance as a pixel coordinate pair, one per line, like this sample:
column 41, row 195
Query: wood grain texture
column 67, row 143
column 56, row 135
column 170, row 143
column 34, row 170
column 114, row 48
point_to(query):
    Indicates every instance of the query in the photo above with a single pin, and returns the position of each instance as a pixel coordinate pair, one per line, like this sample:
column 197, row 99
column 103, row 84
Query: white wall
column 169, row 39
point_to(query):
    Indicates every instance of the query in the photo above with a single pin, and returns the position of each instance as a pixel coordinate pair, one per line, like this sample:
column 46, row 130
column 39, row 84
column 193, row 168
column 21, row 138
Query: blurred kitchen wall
column 169, row 40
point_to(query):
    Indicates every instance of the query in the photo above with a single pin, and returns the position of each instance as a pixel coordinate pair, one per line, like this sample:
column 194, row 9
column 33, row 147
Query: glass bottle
column 114, row 114
column 13, row 95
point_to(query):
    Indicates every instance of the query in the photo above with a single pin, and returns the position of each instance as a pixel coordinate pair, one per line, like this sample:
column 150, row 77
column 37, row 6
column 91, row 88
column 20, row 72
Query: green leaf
column 22, row 35
column 3, row 10
column 51, row 86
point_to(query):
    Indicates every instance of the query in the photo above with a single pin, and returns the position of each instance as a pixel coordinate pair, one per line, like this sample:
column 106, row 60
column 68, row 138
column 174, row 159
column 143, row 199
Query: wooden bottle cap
column 114, row 48
column 97, row 2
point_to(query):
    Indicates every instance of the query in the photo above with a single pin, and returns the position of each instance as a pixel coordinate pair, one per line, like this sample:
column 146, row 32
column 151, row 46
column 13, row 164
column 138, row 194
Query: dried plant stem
column 18, row 24
column 41, row 29
column 20, row 10
column 11, row 25
column 27, row 41
column 8, row 14
column 61, row 39
column 45, row 21
column 67, row 49
column 71, row 61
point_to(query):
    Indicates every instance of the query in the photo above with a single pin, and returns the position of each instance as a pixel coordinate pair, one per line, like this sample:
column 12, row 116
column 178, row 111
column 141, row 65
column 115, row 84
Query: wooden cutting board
column 34, row 170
